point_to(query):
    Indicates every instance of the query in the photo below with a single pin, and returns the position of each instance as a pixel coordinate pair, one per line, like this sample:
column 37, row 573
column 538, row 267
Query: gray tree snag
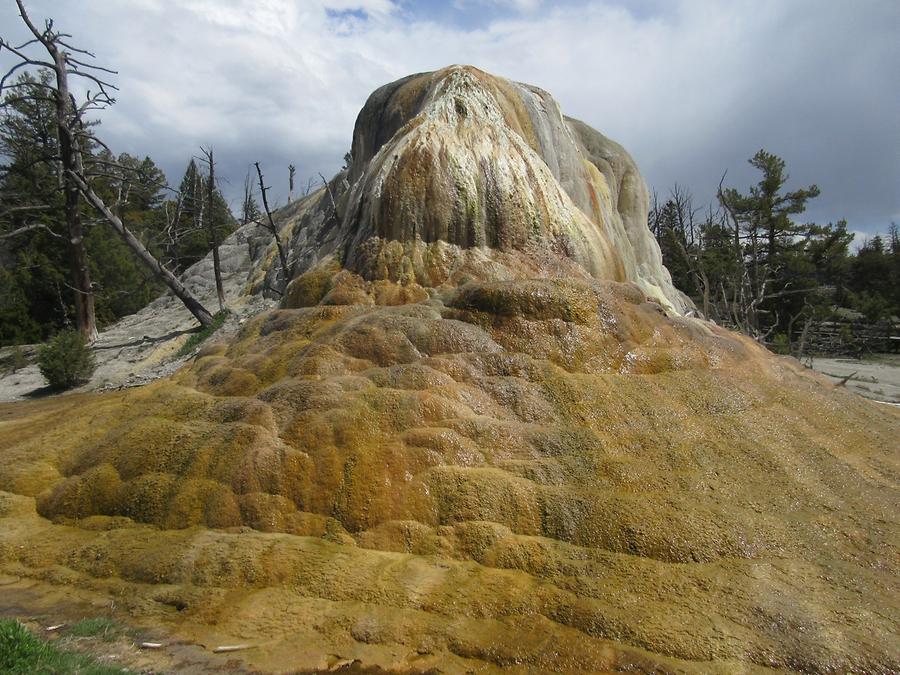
column 291, row 171
column 72, row 135
column 247, row 204
column 174, row 283
column 211, row 232
column 270, row 225
column 334, row 208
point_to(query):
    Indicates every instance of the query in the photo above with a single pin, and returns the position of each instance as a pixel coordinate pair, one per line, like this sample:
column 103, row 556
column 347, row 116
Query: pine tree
column 764, row 235
column 188, row 241
column 74, row 144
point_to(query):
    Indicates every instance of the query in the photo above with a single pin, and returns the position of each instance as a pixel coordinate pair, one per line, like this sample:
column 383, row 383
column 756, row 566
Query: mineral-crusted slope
column 548, row 473
column 459, row 165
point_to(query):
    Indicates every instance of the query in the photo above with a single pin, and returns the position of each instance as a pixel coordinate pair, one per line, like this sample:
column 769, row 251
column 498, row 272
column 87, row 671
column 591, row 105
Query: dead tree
column 687, row 236
column 270, row 225
column 62, row 63
column 66, row 60
column 334, row 209
column 291, row 171
column 212, row 233
column 154, row 265
column 171, row 230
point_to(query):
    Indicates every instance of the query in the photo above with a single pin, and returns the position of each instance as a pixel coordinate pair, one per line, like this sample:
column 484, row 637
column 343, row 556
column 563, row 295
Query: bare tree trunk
column 212, row 235
column 164, row 275
column 334, row 209
column 704, row 283
column 171, row 231
column 803, row 335
column 70, row 160
column 291, row 171
column 282, row 256
column 248, row 197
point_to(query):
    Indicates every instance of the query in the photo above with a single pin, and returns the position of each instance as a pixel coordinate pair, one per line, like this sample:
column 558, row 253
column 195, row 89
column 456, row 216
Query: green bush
column 781, row 344
column 12, row 359
column 66, row 360
column 197, row 338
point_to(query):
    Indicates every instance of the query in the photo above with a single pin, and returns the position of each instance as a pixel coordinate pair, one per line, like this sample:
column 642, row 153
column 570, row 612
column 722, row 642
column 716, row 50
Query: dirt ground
column 876, row 377
column 49, row 613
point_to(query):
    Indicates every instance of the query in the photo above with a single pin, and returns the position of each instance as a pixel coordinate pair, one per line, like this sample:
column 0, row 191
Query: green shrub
column 781, row 344
column 197, row 338
column 13, row 358
column 66, row 360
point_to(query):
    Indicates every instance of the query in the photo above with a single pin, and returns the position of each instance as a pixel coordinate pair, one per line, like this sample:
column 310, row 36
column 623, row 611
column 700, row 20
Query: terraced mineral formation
column 478, row 434
column 459, row 173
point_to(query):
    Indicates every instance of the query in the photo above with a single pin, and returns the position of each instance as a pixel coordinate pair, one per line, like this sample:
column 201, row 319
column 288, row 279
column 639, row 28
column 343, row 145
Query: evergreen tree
column 875, row 277
column 37, row 298
column 188, row 240
column 765, row 237
column 250, row 211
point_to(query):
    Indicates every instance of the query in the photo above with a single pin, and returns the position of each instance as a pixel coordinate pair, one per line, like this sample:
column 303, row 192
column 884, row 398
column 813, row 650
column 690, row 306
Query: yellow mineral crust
column 543, row 474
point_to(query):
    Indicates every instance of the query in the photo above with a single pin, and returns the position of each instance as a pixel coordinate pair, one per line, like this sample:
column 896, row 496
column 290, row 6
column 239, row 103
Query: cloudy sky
column 690, row 87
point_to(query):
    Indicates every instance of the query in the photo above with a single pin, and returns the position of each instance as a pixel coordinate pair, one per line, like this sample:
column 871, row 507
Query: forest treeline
column 37, row 298
column 750, row 262
column 88, row 236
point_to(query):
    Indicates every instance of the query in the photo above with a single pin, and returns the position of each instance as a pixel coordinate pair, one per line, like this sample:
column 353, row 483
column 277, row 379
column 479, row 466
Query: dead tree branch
column 270, row 225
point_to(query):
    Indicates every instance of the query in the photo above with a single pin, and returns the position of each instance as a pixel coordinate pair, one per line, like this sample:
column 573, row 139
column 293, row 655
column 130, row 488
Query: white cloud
column 691, row 88
column 517, row 5
column 859, row 239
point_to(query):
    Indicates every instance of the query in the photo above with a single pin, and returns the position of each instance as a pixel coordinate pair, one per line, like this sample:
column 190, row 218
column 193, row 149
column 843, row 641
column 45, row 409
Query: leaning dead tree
column 64, row 61
column 269, row 224
column 150, row 261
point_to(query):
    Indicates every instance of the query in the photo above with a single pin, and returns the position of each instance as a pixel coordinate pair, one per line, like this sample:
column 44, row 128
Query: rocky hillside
column 478, row 433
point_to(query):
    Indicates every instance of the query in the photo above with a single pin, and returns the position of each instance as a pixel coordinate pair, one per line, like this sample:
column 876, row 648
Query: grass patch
column 22, row 652
column 197, row 338
column 100, row 626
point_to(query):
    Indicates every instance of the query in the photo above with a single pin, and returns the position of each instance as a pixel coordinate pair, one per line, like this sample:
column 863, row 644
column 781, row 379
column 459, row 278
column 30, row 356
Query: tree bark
column 282, row 256
column 291, row 171
column 803, row 335
column 211, row 229
column 70, row 161
column 164, row 275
